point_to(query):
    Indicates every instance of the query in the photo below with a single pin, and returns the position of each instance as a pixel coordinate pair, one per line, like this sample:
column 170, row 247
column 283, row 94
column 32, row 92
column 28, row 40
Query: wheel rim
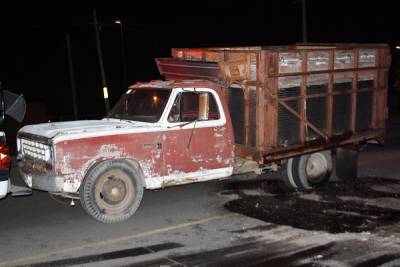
column 114, row 192
column 316, row 167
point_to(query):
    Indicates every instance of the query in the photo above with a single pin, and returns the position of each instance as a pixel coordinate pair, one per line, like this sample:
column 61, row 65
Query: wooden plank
column 354, row 92
column 260, row 118
column 329, row 99
column 303, row 124
column 246, row 110
column 261, row 102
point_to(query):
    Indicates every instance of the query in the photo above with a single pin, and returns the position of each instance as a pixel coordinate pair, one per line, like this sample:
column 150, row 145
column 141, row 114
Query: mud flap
column 17, row 191
column 346, row 163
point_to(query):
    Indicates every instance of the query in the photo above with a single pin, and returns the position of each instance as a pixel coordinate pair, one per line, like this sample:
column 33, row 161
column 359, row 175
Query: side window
column 191, row 106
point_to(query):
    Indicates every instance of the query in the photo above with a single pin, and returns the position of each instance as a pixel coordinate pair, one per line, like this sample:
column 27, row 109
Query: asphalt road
column 237, row 222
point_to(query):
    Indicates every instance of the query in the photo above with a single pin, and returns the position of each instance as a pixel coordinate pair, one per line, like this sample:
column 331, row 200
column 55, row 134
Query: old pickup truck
column 221, row 111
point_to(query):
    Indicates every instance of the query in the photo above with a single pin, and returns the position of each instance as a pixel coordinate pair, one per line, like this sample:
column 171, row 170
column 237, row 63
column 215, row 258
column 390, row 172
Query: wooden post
column 303, row 100
column 329, row 100
column 354, row 91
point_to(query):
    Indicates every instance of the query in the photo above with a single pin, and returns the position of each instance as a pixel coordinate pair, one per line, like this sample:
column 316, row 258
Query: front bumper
column 46, row 181
column 4, row 188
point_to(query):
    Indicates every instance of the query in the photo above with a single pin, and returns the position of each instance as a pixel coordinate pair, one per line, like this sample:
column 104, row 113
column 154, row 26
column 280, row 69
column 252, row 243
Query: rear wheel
column 307, row 171
column 112, row 191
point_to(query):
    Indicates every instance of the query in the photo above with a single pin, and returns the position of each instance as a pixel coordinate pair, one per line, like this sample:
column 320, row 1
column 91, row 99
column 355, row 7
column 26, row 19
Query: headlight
column 34, row 149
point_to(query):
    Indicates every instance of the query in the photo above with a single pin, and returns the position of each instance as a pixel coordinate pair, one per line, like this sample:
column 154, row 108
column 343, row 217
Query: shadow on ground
column 357, row 205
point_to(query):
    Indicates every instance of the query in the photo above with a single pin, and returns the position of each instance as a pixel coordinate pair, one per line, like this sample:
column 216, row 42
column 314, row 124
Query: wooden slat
column 303, row 123
column 354, row 92
column 329, row 100
column 246, row 110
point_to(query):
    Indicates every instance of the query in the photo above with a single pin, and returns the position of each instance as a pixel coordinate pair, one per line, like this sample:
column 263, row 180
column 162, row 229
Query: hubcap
column 316, row 167
column 114, row 191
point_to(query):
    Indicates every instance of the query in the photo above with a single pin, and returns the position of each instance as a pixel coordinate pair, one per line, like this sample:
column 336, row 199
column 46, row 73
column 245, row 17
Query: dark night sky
column 34, row 59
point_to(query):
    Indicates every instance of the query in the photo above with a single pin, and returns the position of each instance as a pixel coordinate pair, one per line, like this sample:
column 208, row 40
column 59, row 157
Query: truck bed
column 289, row 100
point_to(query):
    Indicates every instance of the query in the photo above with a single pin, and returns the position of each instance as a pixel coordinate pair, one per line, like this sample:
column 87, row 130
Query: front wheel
column 307, row 171
column 111, row 191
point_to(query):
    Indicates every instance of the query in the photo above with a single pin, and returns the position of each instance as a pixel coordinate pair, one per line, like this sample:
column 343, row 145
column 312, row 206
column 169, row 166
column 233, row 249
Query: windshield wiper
column 182, row 124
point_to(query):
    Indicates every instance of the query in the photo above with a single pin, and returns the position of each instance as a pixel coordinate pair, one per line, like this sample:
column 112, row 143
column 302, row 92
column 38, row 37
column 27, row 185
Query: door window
column 194, row 106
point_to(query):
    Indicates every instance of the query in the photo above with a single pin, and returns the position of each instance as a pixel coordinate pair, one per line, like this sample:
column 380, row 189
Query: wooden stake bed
column 290, row 100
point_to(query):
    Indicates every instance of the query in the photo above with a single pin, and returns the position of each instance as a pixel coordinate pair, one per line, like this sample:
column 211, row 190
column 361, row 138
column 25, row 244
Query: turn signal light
column 4, row 158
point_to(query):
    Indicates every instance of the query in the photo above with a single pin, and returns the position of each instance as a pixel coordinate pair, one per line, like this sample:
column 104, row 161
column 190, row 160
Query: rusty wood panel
column 262, row 67
column 290, row 61
column 354, row 92
column 271, row 119
column 291, row 98
column 295, row 150
column 329, row 104
column 260, row 118
column 380, row 97
column 322, row 72
column 272, row 64
column 318, row 60
column 376, row 106
column 345, row 59
column 260, row 122
column 171, row 67
column 246, row 111
column 303, row 119
column 248, row 153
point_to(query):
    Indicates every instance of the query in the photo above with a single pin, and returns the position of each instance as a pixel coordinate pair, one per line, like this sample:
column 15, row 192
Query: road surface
column 238, row 222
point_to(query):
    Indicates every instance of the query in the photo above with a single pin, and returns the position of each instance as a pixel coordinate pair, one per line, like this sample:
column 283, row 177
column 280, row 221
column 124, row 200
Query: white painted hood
column 69, row 130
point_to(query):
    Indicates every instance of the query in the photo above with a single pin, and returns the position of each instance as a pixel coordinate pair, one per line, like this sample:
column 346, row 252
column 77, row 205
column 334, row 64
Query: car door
column 194, row 140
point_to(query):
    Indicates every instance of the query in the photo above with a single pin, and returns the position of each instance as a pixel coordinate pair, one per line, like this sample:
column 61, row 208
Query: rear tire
column 111, row 191
column 306, row 172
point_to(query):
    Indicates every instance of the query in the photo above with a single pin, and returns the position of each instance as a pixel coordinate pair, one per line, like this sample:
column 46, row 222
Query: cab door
column 194, row 139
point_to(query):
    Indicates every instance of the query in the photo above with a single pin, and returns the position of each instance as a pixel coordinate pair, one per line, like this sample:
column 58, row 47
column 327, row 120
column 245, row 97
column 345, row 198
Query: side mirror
column 14, row 105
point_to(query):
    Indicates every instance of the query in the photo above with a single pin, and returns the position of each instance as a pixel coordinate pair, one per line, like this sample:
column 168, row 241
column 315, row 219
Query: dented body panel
column 166, row 153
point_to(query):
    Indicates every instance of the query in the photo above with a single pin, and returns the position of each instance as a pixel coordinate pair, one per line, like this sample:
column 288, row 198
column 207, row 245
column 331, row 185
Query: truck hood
column 69, row 130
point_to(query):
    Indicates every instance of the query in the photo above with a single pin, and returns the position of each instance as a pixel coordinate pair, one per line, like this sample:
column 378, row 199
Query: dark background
column 33, row 56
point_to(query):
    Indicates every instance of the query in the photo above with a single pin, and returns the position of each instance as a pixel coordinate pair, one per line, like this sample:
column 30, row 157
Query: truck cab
column 158, row 134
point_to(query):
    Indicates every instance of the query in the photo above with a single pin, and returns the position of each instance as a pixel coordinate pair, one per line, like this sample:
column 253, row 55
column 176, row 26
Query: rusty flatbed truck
column 221, row 111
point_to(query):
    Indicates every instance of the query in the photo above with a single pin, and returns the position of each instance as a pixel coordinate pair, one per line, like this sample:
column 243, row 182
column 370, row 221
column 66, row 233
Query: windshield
column 146, row 105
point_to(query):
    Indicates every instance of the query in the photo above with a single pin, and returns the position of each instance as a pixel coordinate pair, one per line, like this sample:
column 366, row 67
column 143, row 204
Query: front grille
column 34, row 149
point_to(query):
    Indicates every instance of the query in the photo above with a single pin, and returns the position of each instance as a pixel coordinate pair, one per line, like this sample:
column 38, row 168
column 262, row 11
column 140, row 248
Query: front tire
column 111, row 191
column 306, row 172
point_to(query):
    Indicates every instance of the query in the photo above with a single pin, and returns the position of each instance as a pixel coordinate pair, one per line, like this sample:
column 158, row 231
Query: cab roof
column 174, row 84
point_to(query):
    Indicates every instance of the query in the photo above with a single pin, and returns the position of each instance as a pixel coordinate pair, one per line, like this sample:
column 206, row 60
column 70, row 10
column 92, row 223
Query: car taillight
column 4, row 158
